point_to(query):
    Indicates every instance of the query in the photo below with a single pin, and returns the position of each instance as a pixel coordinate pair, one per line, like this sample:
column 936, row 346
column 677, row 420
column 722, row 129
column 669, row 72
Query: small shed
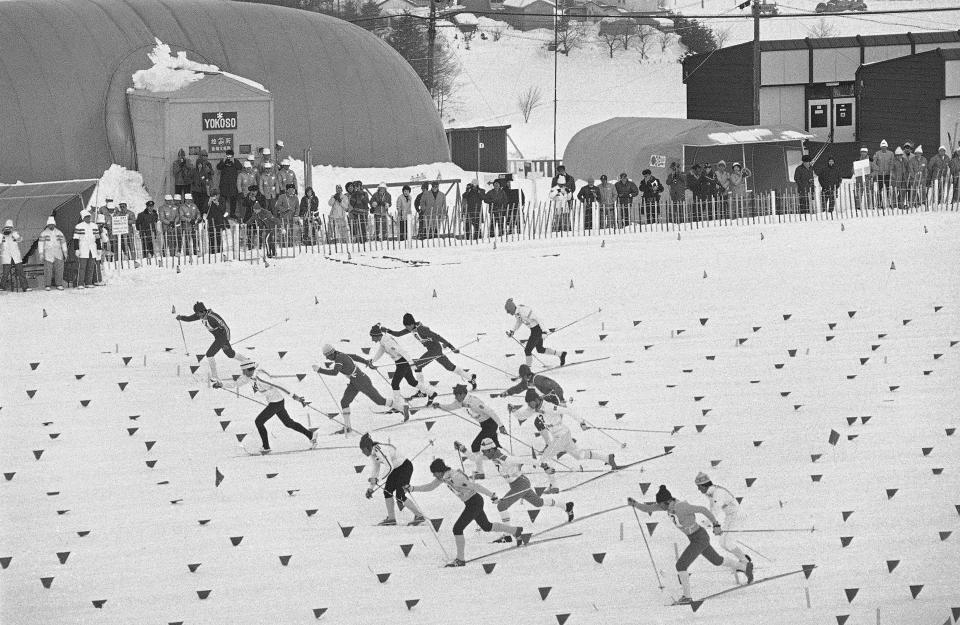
column 632, row 144
column 216, row 113
column 480, row 148
column 911, row 98
column 529, row 14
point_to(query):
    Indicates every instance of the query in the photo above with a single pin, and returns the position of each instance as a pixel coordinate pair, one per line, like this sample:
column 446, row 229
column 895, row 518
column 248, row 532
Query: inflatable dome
column 65, row 66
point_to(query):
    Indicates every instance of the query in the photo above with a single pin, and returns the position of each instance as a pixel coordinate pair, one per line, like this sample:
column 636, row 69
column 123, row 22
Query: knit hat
column 177, row 196
column 408, row 319
column 250, row 157
column 459, row 389
column 51, row 221
column 382, row 185
column 168, row 197
column 663, row 495
column 898, row 151
column 525, row 370
column 249, row 364
column 531, row 396
column 8, row 224
column 439, row 466
column 487, row 444
column 943, row 147
column 279, row 145
column 188, row 196
column 376, row 331
column 864, row 149
column 266, row 150
column 702, row 478
column 247, row 164
column 101, row 219
column 327, row 349
column 509, row 306
column 267, row 164
column 883, row 143
column 919, row 149
column 84, row 214
column 285, row 162
column 366, row 442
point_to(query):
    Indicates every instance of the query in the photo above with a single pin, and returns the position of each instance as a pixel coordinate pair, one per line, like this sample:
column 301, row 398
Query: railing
column 200, row 243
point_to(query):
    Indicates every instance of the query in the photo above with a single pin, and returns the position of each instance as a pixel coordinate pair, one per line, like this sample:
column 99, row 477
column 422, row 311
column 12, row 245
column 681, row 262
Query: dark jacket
column 803, row 176
column 626, row 191
column 309, row 206
column 202, row 176
column 651, row 189
column 589, row 193
column 147, row 220
column 215, row 216
column 359, row 202
column 829, row 178
column 699, row 186
column 569, row 183
column 182, row 170
column 496, row 198
column 473, row 202
column 229, row 169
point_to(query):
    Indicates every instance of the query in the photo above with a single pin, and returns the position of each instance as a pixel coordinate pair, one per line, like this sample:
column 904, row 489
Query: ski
column 417, row 420
column 566, row 366
column 698, row 602
column 577, row 520
column 256, row 452
column 617, row 470
column 514, row 547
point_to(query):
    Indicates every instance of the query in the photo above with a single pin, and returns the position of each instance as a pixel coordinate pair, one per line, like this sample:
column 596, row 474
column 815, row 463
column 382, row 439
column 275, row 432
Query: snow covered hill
column 812, row 370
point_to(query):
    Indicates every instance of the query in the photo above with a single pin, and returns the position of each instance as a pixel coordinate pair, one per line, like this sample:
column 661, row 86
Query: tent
column 632, row 144
column 29, row 205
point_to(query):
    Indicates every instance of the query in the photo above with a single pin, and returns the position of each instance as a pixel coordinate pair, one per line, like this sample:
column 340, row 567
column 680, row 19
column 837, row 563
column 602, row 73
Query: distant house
column 598, row 10
column 398, row 7
column 529, row 14
column 476, row 6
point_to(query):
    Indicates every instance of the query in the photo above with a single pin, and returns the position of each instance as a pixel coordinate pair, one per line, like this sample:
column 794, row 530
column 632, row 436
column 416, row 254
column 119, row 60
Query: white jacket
column 10, row 248
column 52, row 245
column 87, row 234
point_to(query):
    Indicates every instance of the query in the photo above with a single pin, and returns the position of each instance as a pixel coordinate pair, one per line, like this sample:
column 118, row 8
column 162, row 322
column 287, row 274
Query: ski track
column 140, row 543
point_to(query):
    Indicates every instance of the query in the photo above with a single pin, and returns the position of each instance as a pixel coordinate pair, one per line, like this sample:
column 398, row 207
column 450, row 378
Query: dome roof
column 65, row 66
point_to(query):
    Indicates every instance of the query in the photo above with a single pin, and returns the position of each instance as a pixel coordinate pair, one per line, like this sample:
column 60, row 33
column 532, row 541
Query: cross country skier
column 547, row 387
column 399, row 472
column 525, row 316
column 434, row 343
column 275, row 405
column 520, row 488
column 722, row 500
column 469, row 493
column 388, row 345
column 489, row 424
column 684, row 516
column 561, row 440
column 220, row 331
column 359, row 383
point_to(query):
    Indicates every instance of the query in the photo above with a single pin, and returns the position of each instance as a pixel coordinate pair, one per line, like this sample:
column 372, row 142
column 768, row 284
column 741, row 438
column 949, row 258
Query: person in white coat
column 10, row 258
column 52, row 246
column 86, row 243
column 722, row 501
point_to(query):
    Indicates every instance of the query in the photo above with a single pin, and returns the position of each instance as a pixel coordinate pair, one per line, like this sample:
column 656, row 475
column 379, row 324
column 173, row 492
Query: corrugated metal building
column 481, row 148
column 911, row 98
column 806, row 83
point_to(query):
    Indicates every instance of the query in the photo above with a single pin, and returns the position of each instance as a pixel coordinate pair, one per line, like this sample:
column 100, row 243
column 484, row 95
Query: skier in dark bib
column 434, row 344
column 215, row 324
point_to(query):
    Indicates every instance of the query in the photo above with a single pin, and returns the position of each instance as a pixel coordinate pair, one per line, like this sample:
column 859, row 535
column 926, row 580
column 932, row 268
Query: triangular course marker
column 598, row 557
column 436, row 524
column 851, row 593
column 915, row 589
column 488, row 567
column 544, row 592
column 892, row 564
column 345, row 530
column 562, row 618
column 406, row 549
column 98, row 603
column 217, row 477
column 411, row 603
column 193, row 567
column 62, row 556
column 383, row 577
column 318, row 612
column 235, row 540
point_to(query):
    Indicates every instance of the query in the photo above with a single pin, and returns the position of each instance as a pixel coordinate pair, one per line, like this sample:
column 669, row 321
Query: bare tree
column 570, row 34
column 529, row 100
column 644, row 36
column 721, row 36
column 496, row 33
column 664, row 40
column 616, row 33
column 821, row 29
column 611, row 40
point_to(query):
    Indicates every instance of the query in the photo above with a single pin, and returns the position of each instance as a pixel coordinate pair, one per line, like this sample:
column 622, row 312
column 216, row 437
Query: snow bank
column 170, row 72
column 121, row 185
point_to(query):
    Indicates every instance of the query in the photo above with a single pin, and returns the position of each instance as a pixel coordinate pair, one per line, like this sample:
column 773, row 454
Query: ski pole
column 186, row 350
column 286, row 319
column 755, row 551
column 517, row 341
column 607, row 434
column 486, row 364
column 766, row 531
column 432, row 358
column 381, row 485
column 555, row 330
column 647, row 544
column 632, row 430
column 430, row 523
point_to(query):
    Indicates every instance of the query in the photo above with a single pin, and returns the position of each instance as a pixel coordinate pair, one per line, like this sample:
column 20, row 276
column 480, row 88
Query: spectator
column 98, row 260
column 608, row 201
column 497, row 200
column 803, row 177
column 216, row 218
column 695, row 185
column 418, row 205
column 182, row 173
column 286, row 177
column 229, row 171
column 169, row 225
column 472, row 210
column 202, row 182
column 626, row 191
column 278, row 149
column 714, row 190
column 380, row 203
column 249, row 206
column 677, row 183
column 739, row 202
column 128, row 239
column 563, row 179
column 882, row 167
column 650, row 189
column 955, row 174
column 434, row 205
column 405, row 211
column 147, row 227
column 709, row 190
column 917, row 174
column 560, row 203
column 263, row 157
column 189, row 216
column 12, row 275
column 589, row 197
column 723, row 178
column 938, row 174
column 86, row 244
column 107, row 211
column 52, row 248
column 829, row 178
column 265, row 225
column 359, row 212
column 862, row 184
column 309, row 216
column 339, row 204
column 269, row 186
column 246, row 178
column 286, row 210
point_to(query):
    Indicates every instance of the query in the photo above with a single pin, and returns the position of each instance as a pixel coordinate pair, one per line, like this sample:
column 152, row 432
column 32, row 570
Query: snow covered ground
column 593, row 87
column 760, row 347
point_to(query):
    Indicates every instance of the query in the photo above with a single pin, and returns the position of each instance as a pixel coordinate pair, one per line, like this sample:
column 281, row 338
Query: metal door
column 844, row 119
column 820, row 118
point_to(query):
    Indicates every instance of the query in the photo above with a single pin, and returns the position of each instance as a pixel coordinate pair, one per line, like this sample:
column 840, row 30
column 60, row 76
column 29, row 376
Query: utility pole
column 756, row 62
column 556, row 47
column 431, row 44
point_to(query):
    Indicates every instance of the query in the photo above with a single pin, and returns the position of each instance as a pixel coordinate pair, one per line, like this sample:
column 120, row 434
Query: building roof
column 522, row 4
column 29, row 205
column 475, row 128
column 940, row 54
column 901, row 39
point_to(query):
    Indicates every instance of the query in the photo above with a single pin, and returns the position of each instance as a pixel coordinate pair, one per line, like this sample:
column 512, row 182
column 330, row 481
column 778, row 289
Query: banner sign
column 219, row 120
